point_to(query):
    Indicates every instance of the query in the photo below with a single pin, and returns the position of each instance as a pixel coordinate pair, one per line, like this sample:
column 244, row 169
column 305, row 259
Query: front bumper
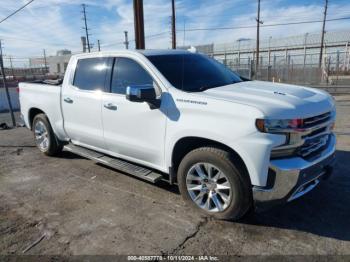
column 291, row 178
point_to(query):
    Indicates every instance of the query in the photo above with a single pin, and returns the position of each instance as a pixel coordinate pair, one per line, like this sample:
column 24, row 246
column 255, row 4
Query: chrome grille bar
column 320, row 118
column 312, row 147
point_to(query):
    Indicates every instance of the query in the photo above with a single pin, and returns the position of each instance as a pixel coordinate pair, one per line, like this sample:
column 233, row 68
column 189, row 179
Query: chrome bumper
column 291, row 178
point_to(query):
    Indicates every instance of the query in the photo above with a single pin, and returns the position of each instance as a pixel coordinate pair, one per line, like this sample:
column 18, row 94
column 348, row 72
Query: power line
column 268, row 16
column 266, row 25
column 15, row 12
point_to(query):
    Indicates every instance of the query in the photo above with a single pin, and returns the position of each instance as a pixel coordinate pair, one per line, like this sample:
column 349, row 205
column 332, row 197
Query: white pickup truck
column 229, row 144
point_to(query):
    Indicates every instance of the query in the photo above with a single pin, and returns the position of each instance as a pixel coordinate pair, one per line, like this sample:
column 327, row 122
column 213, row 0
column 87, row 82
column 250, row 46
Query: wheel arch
column 186, row 144
column 34, row 111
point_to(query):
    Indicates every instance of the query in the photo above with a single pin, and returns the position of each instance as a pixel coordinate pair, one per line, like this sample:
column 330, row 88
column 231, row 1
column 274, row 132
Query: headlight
column 278, row 125
column 297, row 131
column 283, row 127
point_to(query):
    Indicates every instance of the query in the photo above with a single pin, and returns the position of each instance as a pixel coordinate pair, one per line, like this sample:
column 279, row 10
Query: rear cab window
column 93, row 73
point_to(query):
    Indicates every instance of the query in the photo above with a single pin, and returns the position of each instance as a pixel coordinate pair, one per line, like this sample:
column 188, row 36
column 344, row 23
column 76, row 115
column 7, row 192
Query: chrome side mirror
column 143, row 93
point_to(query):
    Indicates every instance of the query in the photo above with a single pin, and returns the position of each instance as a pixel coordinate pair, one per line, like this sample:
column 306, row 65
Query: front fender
column 254, row 150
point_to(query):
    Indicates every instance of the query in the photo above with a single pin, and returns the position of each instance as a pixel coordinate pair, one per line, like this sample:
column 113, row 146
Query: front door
column 132, row 130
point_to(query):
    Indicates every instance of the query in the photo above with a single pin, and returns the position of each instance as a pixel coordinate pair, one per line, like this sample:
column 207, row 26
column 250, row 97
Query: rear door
column 133, row 130
column 82, row 101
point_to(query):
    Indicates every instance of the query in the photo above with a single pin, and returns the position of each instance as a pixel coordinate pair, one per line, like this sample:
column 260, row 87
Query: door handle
column 68, row 100
column 110, row 106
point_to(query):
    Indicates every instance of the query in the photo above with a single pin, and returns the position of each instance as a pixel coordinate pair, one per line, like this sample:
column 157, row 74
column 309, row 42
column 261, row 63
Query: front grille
column 316, row 132
column 316, row 120
column 317, row 140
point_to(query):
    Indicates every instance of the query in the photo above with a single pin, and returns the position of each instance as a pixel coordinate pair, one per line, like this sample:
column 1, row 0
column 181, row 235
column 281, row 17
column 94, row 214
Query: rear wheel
column 209, row 181
column 44, row 136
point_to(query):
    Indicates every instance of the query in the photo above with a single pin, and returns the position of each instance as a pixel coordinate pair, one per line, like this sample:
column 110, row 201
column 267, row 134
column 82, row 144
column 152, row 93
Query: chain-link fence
column 292, row 67
column 294, row 59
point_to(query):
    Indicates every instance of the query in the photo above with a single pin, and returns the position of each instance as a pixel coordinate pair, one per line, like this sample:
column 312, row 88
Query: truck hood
column 275, row 100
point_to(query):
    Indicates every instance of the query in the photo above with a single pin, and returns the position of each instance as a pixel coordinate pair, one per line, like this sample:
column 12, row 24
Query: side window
column 91, row 73
column 128, row 72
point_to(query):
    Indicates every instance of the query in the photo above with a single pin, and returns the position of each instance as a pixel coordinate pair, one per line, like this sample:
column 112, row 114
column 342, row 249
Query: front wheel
column 45, row 138
column 209, row 180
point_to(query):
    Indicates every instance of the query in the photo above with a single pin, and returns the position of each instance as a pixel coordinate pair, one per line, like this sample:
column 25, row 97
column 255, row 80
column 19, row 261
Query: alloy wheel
column 208, row 187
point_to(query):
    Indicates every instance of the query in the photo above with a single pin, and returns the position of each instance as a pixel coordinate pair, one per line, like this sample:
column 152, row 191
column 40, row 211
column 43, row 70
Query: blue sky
column 57, row 24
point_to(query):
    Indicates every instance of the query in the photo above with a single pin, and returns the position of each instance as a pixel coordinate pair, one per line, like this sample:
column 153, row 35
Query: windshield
column 193, row 72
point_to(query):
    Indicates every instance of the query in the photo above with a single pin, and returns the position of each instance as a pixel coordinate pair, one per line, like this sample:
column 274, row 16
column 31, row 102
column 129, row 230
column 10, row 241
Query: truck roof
column 152, row 52
column 147, row 52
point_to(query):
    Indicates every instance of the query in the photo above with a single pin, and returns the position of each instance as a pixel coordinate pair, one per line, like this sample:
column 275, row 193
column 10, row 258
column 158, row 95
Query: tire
column 207, row 195
column 44, row 137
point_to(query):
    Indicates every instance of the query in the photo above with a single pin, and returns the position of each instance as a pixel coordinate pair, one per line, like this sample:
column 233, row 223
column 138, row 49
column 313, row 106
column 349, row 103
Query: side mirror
column 143, row 93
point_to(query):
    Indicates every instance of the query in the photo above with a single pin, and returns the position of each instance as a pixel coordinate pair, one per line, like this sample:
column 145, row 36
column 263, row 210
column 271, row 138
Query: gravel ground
column 71, row 206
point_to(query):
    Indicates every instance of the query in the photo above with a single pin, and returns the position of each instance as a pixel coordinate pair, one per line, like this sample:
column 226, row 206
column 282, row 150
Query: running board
column 121, row 165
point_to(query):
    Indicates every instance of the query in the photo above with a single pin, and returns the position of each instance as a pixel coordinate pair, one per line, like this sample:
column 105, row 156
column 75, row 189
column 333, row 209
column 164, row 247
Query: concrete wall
column 3, row 100
column 58, row 64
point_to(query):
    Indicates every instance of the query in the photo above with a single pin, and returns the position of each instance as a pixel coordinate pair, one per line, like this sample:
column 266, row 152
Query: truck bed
column 53, row 82
column 43, row 96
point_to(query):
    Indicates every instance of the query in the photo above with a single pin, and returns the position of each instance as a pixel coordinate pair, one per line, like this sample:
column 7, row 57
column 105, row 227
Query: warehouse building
column 56, row 65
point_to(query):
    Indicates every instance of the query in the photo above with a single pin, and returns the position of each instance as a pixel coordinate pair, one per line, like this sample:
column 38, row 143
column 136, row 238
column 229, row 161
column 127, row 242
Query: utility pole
column 305, row 45
column 12, row 71
column 86, row 28
column 99, row 45
column 6, row 87
column 45, row 62
column 269, row 54
column 139, row 24
column 258, row 22
column 173, row 24
column 184, row 34
column 323, row 32
column 126, row 42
